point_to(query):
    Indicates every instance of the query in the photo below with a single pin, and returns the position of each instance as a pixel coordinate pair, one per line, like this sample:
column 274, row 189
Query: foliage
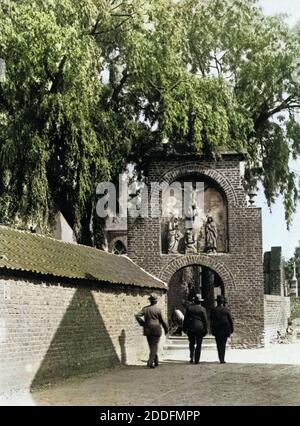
column 295, row 260
column 295, row 308
column 90, row 82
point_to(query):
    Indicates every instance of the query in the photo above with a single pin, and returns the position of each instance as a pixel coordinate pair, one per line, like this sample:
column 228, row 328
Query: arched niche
column 186, row 205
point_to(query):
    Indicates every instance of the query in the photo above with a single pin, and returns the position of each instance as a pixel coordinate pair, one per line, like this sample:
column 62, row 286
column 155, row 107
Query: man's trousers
column 153, row 346
column 221, row 346
column 195, row 339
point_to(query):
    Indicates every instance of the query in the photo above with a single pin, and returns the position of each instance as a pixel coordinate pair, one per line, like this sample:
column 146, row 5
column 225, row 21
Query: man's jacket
column 151, row 319
column 195, row 320
column 221, row 322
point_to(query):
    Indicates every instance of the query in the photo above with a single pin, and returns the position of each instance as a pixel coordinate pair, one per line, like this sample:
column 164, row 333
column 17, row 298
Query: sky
column 275, row 232
column 290, row 7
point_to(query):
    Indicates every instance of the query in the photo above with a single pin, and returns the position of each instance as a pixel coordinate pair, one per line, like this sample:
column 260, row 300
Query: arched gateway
column 202, row 260
column 196, row 274
column 219, row 233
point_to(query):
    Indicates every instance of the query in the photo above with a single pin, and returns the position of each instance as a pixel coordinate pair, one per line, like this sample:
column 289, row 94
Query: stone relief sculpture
column 211, row 236
column 174, row 235
column 201, row 239
column 185, row 227
column 190, row 243
column 190, row 217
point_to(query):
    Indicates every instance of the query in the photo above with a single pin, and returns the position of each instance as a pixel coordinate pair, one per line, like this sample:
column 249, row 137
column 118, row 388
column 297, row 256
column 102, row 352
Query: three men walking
column 195, row 325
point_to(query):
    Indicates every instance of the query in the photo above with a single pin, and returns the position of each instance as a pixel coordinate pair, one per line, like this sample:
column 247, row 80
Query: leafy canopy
column 90, row 82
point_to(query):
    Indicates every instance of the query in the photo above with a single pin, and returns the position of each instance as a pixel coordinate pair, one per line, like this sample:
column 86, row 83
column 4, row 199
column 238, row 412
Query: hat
column 152, row 297
column 198, row 298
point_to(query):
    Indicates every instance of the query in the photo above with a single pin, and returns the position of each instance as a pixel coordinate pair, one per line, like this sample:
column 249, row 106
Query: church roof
column 29, row 252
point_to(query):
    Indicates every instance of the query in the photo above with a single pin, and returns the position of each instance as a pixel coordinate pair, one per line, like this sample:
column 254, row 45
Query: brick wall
column 295, row 307
column 241, row 268
column 277, row 311
column 274, row 272
column 51, row 330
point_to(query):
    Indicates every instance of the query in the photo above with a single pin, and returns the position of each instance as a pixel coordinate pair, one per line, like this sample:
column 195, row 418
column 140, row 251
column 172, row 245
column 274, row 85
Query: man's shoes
column 152, row 366
column 191, row 361
column 197, row 362
column 222, row 362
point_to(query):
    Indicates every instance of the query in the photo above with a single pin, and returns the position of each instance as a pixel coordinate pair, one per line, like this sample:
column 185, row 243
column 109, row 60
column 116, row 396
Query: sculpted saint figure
column 174, row 236
column 190, row 243
column 190, row 216
column 211, row 236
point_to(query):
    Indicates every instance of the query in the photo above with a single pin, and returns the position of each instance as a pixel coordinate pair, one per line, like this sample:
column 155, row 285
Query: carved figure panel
column 194, row 225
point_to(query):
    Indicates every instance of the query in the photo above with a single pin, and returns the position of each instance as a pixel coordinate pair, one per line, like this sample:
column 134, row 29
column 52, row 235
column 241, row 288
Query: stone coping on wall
column 275, row 298
column 163, row 152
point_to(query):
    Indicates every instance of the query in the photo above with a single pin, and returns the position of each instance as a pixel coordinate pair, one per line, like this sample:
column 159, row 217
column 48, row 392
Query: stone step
column 175, row 343
column 184, row 336
column 186, row 348
column 186, row 345
column 184, row 339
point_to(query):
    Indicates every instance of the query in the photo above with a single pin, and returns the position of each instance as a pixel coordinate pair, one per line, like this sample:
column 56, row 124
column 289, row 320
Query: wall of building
column 51, row 330
column 241, row 268
column 274, row 272
column 277, row 312
column 62, row 230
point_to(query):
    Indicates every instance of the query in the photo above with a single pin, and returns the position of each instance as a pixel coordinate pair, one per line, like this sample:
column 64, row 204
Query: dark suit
column 151, row 319
column 221, row 328
column 195, row 325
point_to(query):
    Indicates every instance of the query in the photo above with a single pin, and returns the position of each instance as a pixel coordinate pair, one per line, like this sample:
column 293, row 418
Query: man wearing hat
column 150, row 317
column 221, row 326
column 195, row 326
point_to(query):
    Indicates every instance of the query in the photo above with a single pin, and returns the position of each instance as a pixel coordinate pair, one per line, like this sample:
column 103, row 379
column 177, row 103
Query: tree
column 295, row 260
column 56, row 137
column 91, row 82
column 214, row 74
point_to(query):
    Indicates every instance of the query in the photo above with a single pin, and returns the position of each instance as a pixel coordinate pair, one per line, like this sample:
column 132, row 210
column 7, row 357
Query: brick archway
column 215, row 175
column 210, row 261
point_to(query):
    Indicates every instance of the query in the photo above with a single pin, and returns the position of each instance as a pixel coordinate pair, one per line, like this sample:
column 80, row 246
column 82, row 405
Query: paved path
column 241, row 381
column 288, row 354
